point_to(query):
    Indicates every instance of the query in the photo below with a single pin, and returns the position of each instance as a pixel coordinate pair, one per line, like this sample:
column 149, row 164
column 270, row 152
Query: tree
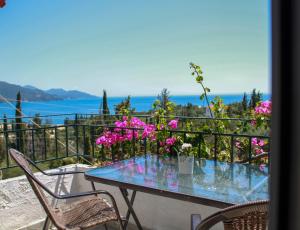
column 124, row 107
column 255, row 98
column 105, row 109
column 245, row 102
column 19, row 124
column 164, row 98
column 87, row 146
column 37, row 121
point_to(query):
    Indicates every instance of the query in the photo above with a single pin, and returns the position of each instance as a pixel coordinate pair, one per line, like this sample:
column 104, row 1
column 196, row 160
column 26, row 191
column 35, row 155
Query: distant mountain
column 70, row 94
column 32, row 93
column 30, row 87
column 10, row 91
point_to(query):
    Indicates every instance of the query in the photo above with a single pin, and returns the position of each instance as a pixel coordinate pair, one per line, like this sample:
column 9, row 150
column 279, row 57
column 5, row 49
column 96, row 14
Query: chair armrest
column 61, row 173
column 195, row 221
column 89, row 193
column 52, row 174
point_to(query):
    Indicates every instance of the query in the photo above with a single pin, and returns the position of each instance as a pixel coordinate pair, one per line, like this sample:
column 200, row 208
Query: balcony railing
column 76, row 135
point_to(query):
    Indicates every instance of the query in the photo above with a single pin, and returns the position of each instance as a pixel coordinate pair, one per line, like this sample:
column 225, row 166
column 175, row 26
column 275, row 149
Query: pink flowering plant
column 125, row 131
column 165, row 123
column 262, row 114
column 258, row 147
column 131, row 129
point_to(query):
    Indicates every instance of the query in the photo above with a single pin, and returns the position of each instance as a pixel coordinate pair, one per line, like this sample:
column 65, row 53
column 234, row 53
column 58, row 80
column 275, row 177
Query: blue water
column 92, row 105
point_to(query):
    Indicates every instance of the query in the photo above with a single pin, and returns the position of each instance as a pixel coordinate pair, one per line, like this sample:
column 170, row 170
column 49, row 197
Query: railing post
column 122, row 145
column 215, row 148
column 6, row 147
column 250, row 150
column 67, row 141
column 32, row 145
column 145, row 146
column 200, row 137
column 231, row 148
column 84, row 140
column 76, row 136
column 133, row 142
column 93, row 140
column 56, row 142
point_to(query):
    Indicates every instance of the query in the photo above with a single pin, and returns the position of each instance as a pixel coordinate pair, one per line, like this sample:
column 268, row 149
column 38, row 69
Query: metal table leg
column 130, row 210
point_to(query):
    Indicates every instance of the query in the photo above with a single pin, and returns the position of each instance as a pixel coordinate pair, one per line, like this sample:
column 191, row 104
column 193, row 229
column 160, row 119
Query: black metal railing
column 77, row 138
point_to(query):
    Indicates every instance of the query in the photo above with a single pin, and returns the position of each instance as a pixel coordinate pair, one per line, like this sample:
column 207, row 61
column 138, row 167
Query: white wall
column 19, row 206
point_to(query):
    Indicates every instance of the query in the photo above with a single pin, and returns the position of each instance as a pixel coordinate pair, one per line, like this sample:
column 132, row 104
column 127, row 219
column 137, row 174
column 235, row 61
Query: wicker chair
column 249, row 216
column 85, row 213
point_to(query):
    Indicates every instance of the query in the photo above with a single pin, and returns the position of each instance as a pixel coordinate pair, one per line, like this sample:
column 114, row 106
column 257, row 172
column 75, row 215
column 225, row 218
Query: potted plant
column 186, row 159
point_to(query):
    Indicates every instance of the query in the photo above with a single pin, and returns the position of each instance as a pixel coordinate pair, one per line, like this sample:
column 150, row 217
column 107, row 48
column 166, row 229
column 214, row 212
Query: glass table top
column 230, row 183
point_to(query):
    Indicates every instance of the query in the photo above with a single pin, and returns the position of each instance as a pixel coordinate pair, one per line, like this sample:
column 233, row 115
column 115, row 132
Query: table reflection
column 227, row 182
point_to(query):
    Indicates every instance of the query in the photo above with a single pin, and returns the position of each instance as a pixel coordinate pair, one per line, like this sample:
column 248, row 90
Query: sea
column 91, row 106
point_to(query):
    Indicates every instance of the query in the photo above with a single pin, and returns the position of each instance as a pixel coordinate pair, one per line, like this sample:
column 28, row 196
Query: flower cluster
column 186, row 149
column 134, row 128
column 167, row 144
column 264, row 108
column 258, row 145
column 262, row 112
column 173, row 124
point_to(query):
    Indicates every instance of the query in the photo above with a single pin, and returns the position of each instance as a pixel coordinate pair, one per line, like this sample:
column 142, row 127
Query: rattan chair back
column 37, row 187
column 252, row 215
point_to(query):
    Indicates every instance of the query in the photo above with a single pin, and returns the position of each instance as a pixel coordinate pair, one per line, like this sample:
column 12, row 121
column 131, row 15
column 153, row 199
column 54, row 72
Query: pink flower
column 261, row 143
column 173, row 124
column 171, row 141
column 121, row 124
column 100, row 140
column 254, row 141
column 262, row 167
column 238, row 144
column 257, row 142
column 264, row 108
column 139, row 169
column 108, row 139
column 162, row 143
column 137, row 123
column 258, row 151
column 149, row 131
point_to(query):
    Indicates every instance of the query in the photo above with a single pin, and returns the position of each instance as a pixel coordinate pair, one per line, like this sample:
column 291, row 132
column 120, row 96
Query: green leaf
column 199, row 79
column 207, row 89
column 202, row 96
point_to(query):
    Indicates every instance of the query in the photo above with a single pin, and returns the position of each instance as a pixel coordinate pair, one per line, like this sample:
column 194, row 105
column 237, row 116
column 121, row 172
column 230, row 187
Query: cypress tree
column 18, row 126
column 255, row 98
column 245, row 102
column 105, row 109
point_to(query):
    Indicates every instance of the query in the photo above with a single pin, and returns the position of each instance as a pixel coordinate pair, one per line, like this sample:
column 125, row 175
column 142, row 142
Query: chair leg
column 46, row 223
column 105, row 226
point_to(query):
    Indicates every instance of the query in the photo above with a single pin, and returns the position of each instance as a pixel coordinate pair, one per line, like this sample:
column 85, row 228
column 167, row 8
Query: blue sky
column 136, row 47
